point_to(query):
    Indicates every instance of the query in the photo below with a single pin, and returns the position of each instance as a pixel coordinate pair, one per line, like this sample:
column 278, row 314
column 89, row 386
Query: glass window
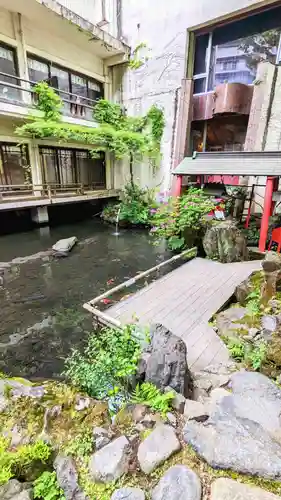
column 8, row 66
column 38, row 70
column 94, row 90
column 199, row 85
column 62, row 78
column 201, row 46
column 79, row 85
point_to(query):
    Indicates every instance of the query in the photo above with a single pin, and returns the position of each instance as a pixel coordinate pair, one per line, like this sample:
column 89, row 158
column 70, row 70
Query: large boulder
column 163, row 362
column 128, row 494
column 224, row 242
column 14, row 490
column 179, row 483
column 243, row 432
column 227, row 489
column 157, row 447
column 110, row 462
column 68, row 478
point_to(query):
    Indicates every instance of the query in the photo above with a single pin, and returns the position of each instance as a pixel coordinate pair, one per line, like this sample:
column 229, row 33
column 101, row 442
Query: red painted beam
column 177, row 186
column 267, row 207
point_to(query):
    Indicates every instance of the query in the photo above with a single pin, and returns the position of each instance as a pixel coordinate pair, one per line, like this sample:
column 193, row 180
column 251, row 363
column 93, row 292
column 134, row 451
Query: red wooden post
column 177, row 186
column 266, row 213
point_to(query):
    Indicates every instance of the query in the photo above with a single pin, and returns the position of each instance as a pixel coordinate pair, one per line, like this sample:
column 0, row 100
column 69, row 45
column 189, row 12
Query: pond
column 41, row 298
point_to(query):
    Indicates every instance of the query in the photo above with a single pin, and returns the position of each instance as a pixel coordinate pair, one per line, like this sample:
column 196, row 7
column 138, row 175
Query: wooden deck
column 184, row 301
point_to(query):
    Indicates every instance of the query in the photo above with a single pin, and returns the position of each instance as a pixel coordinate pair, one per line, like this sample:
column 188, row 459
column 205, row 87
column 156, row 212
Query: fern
column 149, row 395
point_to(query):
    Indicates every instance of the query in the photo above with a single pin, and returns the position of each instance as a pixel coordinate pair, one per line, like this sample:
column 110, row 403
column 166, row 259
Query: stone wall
column 164, row 30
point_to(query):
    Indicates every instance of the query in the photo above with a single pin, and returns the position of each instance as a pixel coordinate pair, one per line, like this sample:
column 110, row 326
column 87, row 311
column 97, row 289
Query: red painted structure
column 268, row 208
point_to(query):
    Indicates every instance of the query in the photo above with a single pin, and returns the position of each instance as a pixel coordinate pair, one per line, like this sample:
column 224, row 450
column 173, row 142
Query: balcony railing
column 21, row 93
column 14, row 192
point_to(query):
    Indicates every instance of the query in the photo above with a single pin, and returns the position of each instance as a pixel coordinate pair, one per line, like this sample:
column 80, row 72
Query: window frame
column 70, row 72
column 207, row 74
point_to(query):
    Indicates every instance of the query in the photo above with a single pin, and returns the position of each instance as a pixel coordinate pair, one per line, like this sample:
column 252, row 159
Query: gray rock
column 272, row 262
column 128, row 494
column 14, row 490
column 229, row 442
column 163, row 362
column 179, row 483
column 226, row 368
column 68, row 478
column 65, row 245
column 178, row 402
column 138, row 413
column 18, row 389
column 228, row 322
column 207, row 381
column 157, row 447
column 111, row 462
column 195, row 411
column 200, row 395
column 255, row 396
column 102, row 437
column 216, row 397
column 227, row 489
column 172, row 419
column 82, row 403
column 225, row 242
column 269, row 324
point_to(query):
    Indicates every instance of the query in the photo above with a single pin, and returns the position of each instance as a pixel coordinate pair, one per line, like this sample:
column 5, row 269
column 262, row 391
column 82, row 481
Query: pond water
column 41, row 316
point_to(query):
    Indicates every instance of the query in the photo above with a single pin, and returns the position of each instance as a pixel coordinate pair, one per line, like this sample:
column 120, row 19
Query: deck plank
column 184, row 301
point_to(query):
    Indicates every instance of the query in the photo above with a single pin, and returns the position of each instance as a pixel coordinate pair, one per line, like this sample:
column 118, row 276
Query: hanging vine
column 122, row 135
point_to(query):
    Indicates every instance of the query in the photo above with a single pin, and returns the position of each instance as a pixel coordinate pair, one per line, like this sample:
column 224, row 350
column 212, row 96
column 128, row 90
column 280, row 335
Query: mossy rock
column 274, row 350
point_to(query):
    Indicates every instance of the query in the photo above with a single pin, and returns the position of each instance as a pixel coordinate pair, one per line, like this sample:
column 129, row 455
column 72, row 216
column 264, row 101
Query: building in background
column 200, row 61
column 51, row 41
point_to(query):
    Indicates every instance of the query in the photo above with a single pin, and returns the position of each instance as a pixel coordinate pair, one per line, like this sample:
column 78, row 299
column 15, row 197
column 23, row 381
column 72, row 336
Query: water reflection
column 41, row 299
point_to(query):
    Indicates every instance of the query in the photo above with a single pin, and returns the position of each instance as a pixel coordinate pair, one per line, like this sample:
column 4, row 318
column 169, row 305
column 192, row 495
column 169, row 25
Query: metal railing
column 13, row 192
column 74, row 104
column 108, row 320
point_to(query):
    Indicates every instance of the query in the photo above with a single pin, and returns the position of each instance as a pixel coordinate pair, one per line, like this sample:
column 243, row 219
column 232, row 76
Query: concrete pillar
column 40, row 215
column 21, row 53
column 35, row 166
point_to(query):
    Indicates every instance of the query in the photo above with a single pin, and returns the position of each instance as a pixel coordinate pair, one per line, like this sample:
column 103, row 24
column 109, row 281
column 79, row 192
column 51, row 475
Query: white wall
column 91, row 10
column 164, row 28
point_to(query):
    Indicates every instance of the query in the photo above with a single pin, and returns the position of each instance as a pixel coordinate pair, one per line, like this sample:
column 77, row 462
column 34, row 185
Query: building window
column 68, row 82
column 9, row 70
column 69, row 167
column 231, row 53
column 14, row 163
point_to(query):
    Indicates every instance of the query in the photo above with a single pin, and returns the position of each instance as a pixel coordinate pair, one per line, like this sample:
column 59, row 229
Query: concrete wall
column 91, row 10
column 164, row 29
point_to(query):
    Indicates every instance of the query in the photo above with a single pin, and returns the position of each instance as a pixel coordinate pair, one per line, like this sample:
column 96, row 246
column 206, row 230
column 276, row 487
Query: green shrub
column 236, row 349
column 46, row 487
column 147, row 394
column 134, row 208
column 108, row 360
column 171, row 220
column 12, row 463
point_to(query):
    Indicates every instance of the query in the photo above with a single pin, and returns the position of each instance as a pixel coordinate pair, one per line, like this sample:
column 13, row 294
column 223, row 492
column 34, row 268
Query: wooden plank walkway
column 184, row 301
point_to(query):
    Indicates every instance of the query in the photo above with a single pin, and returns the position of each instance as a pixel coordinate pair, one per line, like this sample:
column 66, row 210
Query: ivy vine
column 122, row 135
column 135, row 61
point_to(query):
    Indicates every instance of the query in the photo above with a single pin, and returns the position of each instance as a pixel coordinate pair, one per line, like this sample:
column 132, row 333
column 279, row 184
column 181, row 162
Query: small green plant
column 257, row 356
column 46, row 487
column 81, row 445
column 135, row 61
column 108, row 360
column 236, row 348
column 149, row 395
column 253, row 302
column 13, row 462
column 48, row 101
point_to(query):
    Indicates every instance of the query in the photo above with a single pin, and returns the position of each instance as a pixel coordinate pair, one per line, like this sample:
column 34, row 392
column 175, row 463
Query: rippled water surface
column 41, row 298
